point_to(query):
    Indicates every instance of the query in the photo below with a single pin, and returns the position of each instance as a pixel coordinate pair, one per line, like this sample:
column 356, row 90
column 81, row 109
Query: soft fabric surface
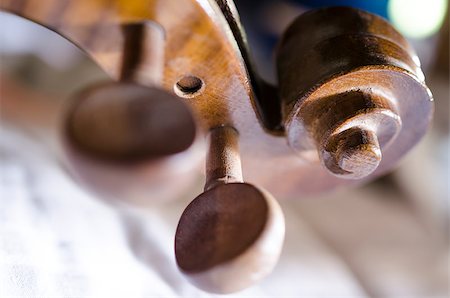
column 58, row 241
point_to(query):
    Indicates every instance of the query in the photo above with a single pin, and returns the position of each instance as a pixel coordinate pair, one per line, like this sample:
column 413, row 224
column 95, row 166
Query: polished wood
column 143, row 53
column 331, row 120
column 129, row 142
column 231, row 235
column 356, row 151
column 203, row 42
column 122, row 139
column 352, row 91
column 223, row 163
column 125, row 122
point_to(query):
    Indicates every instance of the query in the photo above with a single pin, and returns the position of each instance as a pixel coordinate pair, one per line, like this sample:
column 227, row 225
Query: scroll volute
column 352, row 92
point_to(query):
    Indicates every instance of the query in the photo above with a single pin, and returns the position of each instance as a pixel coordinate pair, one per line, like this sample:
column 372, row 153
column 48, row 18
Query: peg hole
column 189, row 86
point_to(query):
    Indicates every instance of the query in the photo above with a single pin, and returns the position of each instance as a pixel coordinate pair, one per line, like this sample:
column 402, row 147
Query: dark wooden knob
column 122, row 140
column 230, row 236
column 124, row 122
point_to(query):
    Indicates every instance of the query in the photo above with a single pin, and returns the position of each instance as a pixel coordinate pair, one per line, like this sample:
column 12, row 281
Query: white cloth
column 58, row 241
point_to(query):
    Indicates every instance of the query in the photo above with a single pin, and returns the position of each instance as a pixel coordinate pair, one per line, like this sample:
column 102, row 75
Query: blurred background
column 385, row 239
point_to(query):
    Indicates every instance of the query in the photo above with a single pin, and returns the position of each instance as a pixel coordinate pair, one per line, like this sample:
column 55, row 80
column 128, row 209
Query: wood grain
column 202, row 39
column 223, row 162
column 361, row 76
column 231, row 235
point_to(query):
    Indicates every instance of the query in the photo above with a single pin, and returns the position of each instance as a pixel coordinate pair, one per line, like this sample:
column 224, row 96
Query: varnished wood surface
column 229, row 238
column 124, row 122
column 231, row 235
column 223, row 162
column 219, row 225
column 198, row 41
column 361, row 74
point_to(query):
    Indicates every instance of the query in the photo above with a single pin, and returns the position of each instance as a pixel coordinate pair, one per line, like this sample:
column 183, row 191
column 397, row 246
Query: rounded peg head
column 124, row 122
column 229, row 237
column 121, row 139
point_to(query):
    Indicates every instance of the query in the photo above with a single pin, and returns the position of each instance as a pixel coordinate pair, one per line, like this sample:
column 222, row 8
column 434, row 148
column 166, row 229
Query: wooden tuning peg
column 231, row 235
column 123, row 138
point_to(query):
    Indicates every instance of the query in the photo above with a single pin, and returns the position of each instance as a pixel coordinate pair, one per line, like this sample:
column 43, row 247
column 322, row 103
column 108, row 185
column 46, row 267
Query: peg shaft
column 143, row 53
column 223, row 163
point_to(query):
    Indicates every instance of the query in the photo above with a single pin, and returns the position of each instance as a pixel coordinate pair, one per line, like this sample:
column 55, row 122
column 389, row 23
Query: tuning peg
column 231, row 235
column 126, row 140
column 352, row 91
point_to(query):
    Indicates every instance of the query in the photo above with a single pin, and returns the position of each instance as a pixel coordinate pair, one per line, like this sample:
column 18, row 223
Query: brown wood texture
column 231, row 235
column 124, row 121
column 126, row 130
column 362, row 77
column 129, row 123
column 201, row 41
column 223, row 162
